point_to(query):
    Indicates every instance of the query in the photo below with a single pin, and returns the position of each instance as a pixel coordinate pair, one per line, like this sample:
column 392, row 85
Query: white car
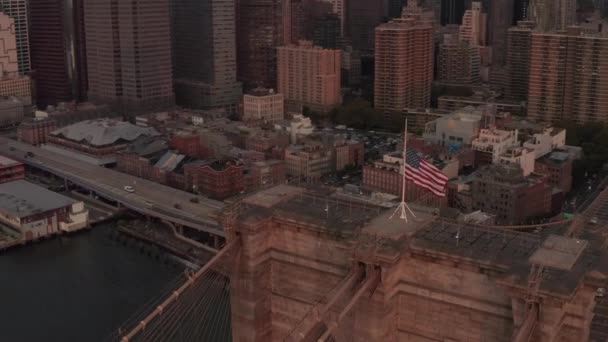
column 593, row 220
column 129, row 188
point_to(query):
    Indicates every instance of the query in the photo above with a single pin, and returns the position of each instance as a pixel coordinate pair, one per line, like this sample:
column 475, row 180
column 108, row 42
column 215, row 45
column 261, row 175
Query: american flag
column 425, row 174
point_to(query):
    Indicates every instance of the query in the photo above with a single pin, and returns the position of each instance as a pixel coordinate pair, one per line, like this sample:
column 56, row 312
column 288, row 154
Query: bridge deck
column 150, row 198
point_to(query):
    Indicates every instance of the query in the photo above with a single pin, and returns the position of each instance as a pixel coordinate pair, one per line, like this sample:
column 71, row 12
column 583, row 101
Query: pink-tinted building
column 129, row 52
column 403, row 65
column 309, row 75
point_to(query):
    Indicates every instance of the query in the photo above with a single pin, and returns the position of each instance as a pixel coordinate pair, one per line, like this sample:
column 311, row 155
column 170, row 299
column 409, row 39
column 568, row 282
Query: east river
column 76, row 288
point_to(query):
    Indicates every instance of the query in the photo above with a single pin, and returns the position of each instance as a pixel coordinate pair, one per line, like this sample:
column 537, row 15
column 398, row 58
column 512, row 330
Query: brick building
column 309, row 76
column 263, row 106
column 404, row 61
column 219, row 179
column 350, row 153
column 557, row 167
column 263, row 141
column 34, row 131
column 188, row 143
column 308, row 162
column 568, row 76
column 264, row 173
column 502, row 190
column 10, row 170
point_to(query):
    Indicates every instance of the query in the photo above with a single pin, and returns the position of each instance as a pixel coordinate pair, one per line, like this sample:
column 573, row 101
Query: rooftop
column 6, row 162
column 102, row 132
column 315, row 209
column 21, row 199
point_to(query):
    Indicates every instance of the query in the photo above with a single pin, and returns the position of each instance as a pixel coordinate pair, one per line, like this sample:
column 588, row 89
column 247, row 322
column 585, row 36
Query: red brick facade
column 218, row 180
column 135, row 165
column 188, row 144
column 11, row 172
column 35, row 132
column 558, row 174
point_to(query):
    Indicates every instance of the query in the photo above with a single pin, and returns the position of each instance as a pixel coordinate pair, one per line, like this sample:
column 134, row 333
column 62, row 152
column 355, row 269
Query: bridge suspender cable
column 159, row 310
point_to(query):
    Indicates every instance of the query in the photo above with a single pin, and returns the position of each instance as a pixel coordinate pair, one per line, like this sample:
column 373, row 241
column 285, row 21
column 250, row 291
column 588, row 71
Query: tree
column 357, row 114
column 592, row 137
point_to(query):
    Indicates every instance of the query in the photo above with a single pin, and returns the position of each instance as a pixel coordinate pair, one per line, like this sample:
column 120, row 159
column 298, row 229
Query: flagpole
column 403, row 208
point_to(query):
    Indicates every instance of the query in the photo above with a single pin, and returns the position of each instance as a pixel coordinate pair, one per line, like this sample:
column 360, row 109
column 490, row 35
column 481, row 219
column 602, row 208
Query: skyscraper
column 568, row 77
column 204, row 54
column 262, row 26
column 129, row 52
column 17, row 9
column 327, row 31
column 309, row 75
column 500, row 18
column 363, row 17
column 551, row 15
column 518, row 60
column 12, row 82
column 404, row 64
column 58, row 51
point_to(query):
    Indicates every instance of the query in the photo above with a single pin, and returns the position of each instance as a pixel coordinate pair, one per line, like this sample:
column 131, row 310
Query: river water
column 76, row 288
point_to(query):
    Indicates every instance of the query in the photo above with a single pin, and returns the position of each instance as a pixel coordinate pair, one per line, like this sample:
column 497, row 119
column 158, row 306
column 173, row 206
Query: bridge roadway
column 149, row 198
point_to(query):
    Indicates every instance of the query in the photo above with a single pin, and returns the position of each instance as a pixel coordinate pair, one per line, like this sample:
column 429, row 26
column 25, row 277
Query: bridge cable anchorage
column 193, row 305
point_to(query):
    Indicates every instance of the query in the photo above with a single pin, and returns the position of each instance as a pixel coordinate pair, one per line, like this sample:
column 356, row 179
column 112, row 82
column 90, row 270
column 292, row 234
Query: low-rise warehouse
column 36, row 212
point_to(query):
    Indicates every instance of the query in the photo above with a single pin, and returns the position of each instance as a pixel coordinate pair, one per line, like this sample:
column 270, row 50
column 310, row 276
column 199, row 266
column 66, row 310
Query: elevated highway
column 150, row 198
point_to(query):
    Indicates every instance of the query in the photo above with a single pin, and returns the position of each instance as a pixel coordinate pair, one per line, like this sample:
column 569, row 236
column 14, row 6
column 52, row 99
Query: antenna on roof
column 403, row 208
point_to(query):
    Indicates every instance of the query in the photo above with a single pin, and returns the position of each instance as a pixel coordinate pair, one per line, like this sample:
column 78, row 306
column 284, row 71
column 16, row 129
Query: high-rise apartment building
column 18, row 10
column 262, row 26
column 204, row 54
column 363, row 17
column 551, row 15
column 58, row 51
column 518, row 60
column 458, row 61
column 404, row 64
column 12, row 82
column 474, row 24
column 309, row 75
column 568, row 76
column 327, row 31
column 129, row 52
column 500, row 19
